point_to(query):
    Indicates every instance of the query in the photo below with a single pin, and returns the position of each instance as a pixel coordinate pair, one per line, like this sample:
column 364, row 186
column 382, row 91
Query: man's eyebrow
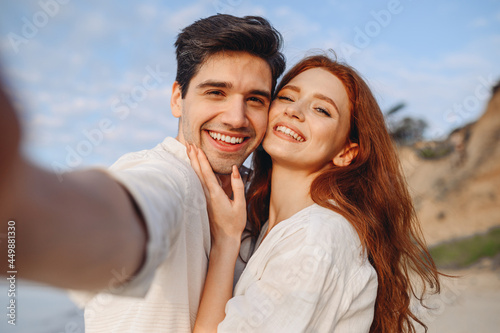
column 215, row 84
column 264, row 93
column 229, row 85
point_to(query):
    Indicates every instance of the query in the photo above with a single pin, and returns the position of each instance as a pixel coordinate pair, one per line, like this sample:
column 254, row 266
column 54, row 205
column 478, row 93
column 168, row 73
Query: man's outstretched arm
column 73, row 233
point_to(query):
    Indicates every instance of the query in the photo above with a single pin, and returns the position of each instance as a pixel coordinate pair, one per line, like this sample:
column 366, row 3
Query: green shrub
column 432, row 153
column 464, row 252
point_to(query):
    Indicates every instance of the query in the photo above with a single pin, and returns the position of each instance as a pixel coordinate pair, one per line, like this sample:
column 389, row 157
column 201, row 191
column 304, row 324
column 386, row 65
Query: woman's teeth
column 290, row 133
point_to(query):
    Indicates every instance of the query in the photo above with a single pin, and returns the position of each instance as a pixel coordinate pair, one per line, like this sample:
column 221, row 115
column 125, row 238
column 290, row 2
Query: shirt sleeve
column 288, row 293
column 157, row 186
column 157, row 191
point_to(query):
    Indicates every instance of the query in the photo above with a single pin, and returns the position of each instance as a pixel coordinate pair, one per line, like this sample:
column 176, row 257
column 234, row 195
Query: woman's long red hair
column 371, row 193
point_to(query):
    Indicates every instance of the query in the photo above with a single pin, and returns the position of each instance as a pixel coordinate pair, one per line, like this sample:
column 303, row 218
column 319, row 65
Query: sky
column 92, row 80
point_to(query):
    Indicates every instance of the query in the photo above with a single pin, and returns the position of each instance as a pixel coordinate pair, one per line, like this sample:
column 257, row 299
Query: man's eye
column 255, row 99
column 214, row 92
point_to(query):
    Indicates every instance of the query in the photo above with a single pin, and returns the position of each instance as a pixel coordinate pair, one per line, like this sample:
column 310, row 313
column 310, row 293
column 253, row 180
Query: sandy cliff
column 459, row 194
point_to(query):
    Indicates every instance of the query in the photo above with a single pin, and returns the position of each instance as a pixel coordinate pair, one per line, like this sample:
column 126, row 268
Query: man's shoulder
column 161, row 170
column 168, row 152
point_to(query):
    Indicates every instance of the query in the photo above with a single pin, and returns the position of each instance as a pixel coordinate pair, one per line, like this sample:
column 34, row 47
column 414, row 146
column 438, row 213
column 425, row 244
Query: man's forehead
column 245, row 60
column 239, row 70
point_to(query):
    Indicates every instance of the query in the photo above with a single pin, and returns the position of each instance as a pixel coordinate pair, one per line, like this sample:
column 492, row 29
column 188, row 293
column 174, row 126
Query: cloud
column 148, row 12
column 429, row 87
column 294, row 25
column 478, row 22
column 90, row 55
column 174, row 21
column 42, row 120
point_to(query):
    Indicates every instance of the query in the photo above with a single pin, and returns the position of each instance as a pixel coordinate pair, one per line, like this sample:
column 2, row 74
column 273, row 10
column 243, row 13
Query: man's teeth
column 225, row 138
column 290, row 133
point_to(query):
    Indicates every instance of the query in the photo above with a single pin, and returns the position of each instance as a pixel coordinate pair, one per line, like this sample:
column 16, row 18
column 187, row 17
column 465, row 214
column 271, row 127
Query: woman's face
column 309, row 121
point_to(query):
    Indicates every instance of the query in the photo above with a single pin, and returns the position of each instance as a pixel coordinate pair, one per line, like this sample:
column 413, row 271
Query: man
column 136, row 238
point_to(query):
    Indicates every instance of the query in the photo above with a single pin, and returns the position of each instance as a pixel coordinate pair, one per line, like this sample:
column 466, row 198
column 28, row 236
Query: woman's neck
column 289, row 193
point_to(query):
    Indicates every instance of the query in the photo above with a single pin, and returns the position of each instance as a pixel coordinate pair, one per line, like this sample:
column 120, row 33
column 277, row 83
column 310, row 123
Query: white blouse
column 308, row 275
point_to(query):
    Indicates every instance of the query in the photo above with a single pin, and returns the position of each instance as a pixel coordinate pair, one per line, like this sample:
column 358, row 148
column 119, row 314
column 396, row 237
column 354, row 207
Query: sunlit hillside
column 456, row 183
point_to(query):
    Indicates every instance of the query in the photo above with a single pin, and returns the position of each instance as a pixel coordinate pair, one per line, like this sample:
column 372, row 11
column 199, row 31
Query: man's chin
column 224, row 166
column 224, row 169
column 222, row 162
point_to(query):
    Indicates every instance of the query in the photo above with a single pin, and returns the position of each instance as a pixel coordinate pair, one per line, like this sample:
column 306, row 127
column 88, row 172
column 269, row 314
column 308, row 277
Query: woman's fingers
column 195, row 163
column 211, row 180
column 193, row 158
column 227, row 217
column 211, row 185
column 238, row 188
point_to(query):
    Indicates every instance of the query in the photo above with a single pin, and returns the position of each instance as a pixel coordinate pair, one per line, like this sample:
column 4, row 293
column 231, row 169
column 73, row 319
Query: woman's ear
column 346, row 155
column 176, row 100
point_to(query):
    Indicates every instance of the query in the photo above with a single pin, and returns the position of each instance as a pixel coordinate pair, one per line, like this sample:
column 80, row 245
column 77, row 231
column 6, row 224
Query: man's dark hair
column 222, row 32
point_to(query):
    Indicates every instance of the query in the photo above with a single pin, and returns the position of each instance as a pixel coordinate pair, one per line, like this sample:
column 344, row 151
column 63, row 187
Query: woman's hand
column 227, row 222
column 227, row 217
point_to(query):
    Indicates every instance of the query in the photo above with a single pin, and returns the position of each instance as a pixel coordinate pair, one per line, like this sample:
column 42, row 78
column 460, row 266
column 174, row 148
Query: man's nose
column 235, row 114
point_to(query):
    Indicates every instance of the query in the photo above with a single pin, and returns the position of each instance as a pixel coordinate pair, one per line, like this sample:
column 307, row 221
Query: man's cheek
column 262, row 126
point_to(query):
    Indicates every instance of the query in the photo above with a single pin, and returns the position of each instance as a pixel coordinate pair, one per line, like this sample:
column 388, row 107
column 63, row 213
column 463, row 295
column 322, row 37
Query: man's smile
column 227, row 138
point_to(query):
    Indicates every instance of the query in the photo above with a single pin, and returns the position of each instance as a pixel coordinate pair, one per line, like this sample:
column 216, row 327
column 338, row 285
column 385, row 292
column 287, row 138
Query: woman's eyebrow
column 328, row 100
column 319, row 96
column 291, row 87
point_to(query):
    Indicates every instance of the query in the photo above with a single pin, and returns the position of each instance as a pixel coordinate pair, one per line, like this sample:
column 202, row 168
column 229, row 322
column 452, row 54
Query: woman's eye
column 323, row 111
column 285, row 98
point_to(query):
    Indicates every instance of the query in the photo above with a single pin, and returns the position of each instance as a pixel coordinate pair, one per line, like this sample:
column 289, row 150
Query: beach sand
column 468, row 304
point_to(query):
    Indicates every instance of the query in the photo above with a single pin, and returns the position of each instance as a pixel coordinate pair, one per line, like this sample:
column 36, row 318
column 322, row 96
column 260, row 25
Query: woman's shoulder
column 316, row 222
column 338, row 240
column 323, row 222
column 317, row 227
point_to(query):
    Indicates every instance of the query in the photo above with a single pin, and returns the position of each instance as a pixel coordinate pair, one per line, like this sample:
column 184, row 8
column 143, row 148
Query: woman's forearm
column 218, row 285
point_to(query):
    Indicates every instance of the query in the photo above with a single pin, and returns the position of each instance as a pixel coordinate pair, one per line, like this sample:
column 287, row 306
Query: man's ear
column 176, row 100
column 346, row 155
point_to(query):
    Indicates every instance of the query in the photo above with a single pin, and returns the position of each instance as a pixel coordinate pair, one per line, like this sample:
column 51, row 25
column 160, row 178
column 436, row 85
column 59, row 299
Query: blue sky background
column 69, row 63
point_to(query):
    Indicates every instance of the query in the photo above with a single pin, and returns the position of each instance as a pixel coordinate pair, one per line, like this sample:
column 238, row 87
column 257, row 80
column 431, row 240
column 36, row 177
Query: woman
column 337, row 233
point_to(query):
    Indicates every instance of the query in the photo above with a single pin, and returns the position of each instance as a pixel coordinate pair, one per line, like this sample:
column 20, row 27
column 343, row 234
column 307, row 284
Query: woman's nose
column 295, row 111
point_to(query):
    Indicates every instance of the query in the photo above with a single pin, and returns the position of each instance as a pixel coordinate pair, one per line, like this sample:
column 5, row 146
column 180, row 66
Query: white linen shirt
column 164, row 295
column 308, row 275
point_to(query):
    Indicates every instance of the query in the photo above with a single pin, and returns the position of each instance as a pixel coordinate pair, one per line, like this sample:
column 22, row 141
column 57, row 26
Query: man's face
column 224, row 111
